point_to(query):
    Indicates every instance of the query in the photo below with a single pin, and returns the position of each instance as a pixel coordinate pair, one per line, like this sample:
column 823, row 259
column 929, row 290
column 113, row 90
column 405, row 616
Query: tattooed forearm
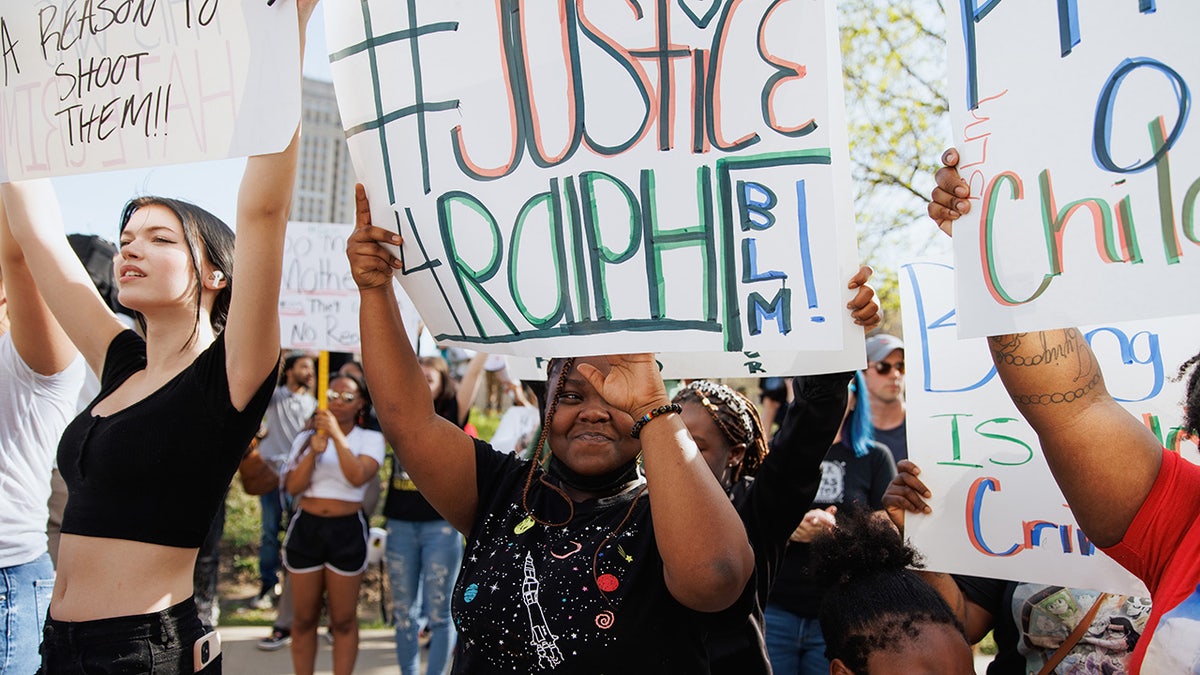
column 1032, row 366
column 1018, row 350
column 1057, row 397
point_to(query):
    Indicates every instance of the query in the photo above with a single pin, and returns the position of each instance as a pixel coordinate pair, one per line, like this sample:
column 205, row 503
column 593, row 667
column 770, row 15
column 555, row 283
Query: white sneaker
column 277, row 640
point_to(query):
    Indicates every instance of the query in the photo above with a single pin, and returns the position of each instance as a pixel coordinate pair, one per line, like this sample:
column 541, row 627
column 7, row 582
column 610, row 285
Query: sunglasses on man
column 883, row 367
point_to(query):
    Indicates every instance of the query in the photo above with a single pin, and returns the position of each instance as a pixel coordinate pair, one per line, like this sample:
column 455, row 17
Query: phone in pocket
column 206, row 650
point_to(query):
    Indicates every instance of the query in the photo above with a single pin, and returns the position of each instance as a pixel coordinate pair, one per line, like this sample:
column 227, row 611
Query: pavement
column 376, row 653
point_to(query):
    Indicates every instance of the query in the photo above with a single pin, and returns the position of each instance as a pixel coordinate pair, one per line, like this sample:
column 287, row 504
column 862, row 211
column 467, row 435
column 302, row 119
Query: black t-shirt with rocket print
column 587, row 596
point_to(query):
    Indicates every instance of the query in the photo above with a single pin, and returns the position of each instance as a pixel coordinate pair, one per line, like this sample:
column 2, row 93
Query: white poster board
column 600, row 177
column 318, row 299
column 997, row 511
column 1072, row 123
column 681, row 365
column 101, row 86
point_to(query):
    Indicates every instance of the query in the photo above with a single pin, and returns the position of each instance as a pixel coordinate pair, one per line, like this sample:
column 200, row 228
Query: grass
column 485, row 424
column 243, row 519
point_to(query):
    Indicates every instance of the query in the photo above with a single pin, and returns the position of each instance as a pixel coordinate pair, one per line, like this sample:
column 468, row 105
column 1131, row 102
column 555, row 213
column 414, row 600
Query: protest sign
column 1073, row 128
column 318, row 299
column 997, row 511
column 119, row 84
column 582, row 178
column 680, row 365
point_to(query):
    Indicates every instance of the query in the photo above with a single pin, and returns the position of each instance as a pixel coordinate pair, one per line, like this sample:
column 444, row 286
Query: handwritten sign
column 681, row 365
column 118, row 84
column 318, row 299
column 1073, row 124
column 576, row 178
column 997, row 511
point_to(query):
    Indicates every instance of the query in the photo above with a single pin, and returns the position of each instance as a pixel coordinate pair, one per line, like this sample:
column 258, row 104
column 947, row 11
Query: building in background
column 325, row 180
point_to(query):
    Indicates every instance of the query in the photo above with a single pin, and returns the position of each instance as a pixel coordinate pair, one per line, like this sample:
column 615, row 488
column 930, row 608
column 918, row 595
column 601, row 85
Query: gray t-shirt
column 287, row 414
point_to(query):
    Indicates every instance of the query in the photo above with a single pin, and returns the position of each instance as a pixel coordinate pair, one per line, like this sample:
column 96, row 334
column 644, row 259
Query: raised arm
column 40, row 342
column 264, row 202
column 793, row 467
column 706, row 555
column 1104, row 460
column 907, row 494
column 469, row 386
column 36, row 226
column 438, row 455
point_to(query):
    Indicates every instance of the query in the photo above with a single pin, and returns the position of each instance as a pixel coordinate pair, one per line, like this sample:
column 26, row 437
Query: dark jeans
column 268, row 547
column 146, row 643
column 205, row 574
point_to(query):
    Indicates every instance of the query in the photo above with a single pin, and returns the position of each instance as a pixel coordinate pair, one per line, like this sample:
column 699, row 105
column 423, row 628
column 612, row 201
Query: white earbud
column 217, row 277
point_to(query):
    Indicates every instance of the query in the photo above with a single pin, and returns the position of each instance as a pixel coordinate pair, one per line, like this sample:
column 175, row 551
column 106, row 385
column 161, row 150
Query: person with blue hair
column 855, row 472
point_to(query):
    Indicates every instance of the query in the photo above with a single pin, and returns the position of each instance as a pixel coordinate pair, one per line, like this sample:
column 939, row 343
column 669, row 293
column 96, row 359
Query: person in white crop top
column 325, row 549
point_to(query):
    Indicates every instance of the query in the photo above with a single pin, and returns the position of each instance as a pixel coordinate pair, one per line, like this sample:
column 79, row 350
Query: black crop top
column 156, row 472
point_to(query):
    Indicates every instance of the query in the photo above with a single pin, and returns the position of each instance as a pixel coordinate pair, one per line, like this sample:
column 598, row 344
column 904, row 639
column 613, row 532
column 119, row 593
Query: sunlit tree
column 894, row 60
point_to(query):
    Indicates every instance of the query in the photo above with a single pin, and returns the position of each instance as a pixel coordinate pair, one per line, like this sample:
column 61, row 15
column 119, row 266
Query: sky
column 92, row 203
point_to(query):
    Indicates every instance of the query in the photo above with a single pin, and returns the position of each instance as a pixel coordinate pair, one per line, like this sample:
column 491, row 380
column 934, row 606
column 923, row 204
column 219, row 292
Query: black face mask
column 601, row 484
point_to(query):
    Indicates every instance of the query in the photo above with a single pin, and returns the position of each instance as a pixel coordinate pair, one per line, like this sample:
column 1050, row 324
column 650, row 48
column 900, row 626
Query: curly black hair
column 1191, row 401
column 875, row 602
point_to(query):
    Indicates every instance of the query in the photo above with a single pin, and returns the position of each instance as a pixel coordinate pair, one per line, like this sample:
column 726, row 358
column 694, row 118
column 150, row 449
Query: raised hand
column 864, row 306
column 631, row 382
column 371, row 264
column 949, row 198
column 906, row 493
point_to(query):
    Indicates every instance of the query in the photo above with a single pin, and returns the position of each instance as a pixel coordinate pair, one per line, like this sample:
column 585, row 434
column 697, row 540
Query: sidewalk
column 376, row 653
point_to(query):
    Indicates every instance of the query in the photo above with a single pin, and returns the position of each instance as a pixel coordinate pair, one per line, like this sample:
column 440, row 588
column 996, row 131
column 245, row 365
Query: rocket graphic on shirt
column 543, row 640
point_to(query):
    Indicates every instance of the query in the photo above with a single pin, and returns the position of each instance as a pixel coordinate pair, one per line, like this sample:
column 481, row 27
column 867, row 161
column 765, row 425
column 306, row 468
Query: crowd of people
column 624, row 527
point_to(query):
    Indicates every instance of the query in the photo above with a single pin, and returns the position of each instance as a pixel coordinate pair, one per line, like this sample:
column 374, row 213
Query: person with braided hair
column 589, row 565
column 771, row 489
column 878, row 615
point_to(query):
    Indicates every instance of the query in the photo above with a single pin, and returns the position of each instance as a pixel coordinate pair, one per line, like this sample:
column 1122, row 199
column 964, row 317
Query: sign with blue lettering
column 577, row 178
column 1073, row 125
column 997, row 511
column 121, row 84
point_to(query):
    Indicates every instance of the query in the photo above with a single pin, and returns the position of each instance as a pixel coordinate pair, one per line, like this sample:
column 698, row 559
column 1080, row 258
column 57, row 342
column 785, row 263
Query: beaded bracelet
column 661, row 410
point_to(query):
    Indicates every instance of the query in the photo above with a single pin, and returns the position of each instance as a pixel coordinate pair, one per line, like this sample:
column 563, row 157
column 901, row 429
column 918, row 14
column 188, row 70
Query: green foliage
column 887, row 289
column 484, row 423
column 245, row 565
column 894, row 64
column 243, row 518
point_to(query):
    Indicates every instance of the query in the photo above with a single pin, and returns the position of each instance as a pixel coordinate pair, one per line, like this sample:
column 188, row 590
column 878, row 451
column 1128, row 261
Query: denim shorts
column 160, row 642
